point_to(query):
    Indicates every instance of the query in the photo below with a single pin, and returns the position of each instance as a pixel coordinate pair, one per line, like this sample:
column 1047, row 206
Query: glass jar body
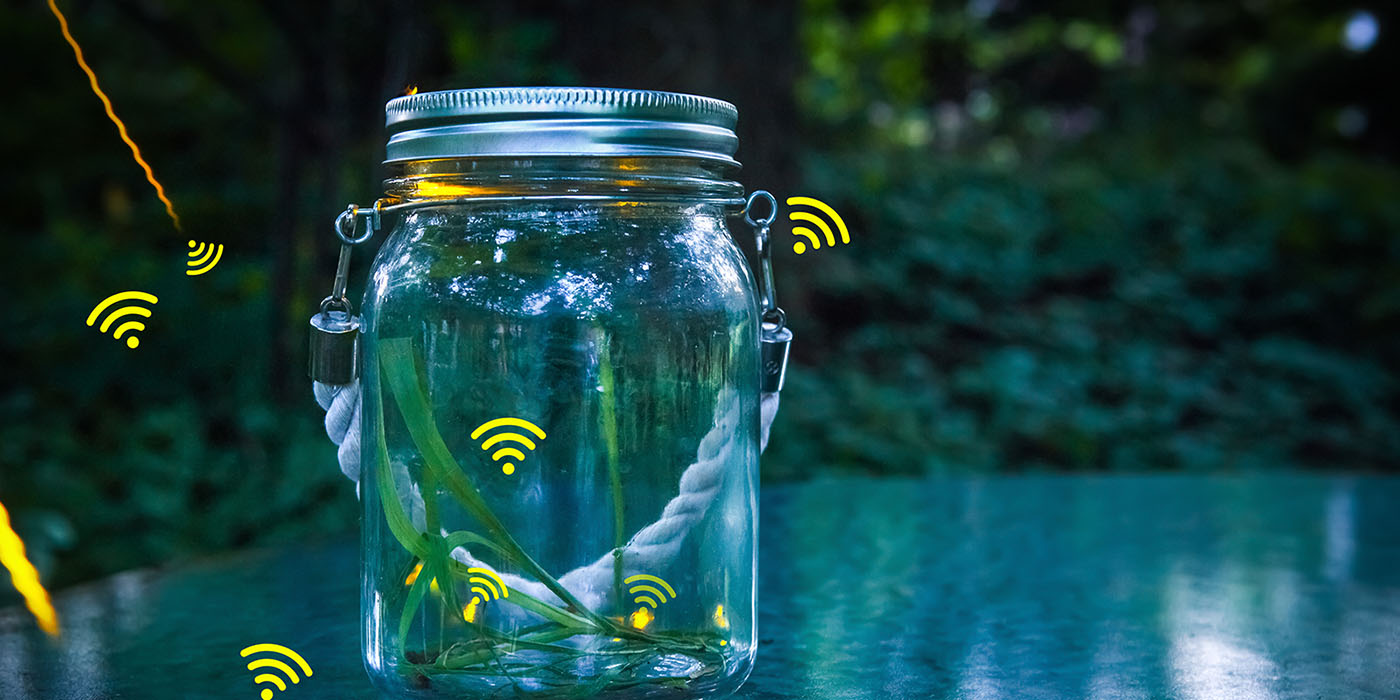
column 606, row 544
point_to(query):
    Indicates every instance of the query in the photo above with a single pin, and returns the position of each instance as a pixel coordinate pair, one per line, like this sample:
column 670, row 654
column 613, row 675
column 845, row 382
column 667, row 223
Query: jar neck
column 564, row 177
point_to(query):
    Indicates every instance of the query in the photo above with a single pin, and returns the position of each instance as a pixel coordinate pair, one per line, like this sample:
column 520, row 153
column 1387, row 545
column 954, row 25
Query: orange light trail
column 25, row 577
column 107, row 104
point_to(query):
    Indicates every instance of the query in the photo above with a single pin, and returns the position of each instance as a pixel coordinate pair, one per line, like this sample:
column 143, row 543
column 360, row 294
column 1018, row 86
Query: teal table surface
column 1269, row 586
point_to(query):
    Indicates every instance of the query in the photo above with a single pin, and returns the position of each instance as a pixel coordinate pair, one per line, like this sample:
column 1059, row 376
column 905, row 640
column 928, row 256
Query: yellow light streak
column 107, row 105
column 429, row 189
column 25, row 577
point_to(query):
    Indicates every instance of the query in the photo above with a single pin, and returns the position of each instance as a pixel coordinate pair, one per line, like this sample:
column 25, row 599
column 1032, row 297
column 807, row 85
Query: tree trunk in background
column 283, row 224
column 404, row 29
column 740, row 51
column 338, row 103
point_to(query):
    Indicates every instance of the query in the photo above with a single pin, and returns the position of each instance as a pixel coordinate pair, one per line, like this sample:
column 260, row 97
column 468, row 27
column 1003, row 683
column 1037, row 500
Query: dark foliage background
column 1085, row 236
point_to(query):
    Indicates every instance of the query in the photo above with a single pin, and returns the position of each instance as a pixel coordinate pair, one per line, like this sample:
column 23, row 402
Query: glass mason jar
column 560, row 400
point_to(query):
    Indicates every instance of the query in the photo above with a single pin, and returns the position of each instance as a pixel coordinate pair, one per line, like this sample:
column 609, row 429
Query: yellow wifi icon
column 646, row 594
column 276, row 664
column 486, row 585
column 502, row 453
column 800, row 247
column 203, row 257
column 121, row 312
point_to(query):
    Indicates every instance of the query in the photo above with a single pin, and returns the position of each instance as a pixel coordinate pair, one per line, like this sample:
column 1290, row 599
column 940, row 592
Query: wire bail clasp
column 335, row 330
column 775, row 337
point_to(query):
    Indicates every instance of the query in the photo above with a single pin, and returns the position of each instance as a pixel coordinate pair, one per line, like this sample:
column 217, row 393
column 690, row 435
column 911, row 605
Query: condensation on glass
column 564, row 264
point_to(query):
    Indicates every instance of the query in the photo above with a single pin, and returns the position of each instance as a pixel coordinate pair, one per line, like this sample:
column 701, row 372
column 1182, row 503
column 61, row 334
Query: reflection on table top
column 1270, row 586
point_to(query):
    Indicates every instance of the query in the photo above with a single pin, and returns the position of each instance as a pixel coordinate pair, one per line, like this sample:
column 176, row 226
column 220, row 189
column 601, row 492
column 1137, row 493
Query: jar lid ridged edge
column 487, row 103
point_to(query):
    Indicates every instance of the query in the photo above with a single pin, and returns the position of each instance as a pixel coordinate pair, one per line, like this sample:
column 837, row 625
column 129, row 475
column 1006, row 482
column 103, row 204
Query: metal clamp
column 775, row 338
column 335, row 330
column 349, row 220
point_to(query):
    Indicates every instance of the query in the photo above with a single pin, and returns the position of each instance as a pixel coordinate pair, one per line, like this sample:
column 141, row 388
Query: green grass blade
column 401, row 372
column 414, row 599
column 399, row 524
column 608, row 407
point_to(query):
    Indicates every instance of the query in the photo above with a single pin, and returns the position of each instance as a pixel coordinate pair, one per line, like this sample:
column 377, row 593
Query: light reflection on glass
column 535, row 303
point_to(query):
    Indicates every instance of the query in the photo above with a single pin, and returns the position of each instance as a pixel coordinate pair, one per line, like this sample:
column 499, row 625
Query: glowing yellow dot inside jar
column 413, row 576
column 642, row 618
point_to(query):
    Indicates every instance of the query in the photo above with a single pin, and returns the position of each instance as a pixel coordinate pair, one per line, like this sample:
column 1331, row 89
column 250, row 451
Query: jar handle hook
column 775, row 338
column 335, row 329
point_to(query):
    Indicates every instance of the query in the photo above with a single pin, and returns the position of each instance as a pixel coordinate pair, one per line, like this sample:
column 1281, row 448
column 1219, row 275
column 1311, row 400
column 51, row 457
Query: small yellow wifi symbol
column 203, row 257
column 647, row 594
column 274, row 663
column 486, row 585
column 806, row 216
column 121, row 312
column 498, row 455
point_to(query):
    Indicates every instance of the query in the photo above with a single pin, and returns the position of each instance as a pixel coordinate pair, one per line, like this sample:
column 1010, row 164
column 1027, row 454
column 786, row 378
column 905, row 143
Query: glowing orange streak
column 107, row 104
column 24, row 576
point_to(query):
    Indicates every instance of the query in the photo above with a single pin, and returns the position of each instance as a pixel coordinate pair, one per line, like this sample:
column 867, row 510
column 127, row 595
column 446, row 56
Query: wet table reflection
column 1282, row 586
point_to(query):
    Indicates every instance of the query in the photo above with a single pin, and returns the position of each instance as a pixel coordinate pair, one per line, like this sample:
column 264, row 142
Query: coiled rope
column 650, row 548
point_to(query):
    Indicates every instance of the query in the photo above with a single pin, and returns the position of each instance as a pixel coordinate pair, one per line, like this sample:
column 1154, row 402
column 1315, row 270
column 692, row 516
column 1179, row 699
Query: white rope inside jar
column 650, row 548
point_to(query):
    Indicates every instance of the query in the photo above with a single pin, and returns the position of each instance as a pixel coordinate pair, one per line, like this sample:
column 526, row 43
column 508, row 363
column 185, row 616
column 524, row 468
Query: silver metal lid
column 553, row 121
